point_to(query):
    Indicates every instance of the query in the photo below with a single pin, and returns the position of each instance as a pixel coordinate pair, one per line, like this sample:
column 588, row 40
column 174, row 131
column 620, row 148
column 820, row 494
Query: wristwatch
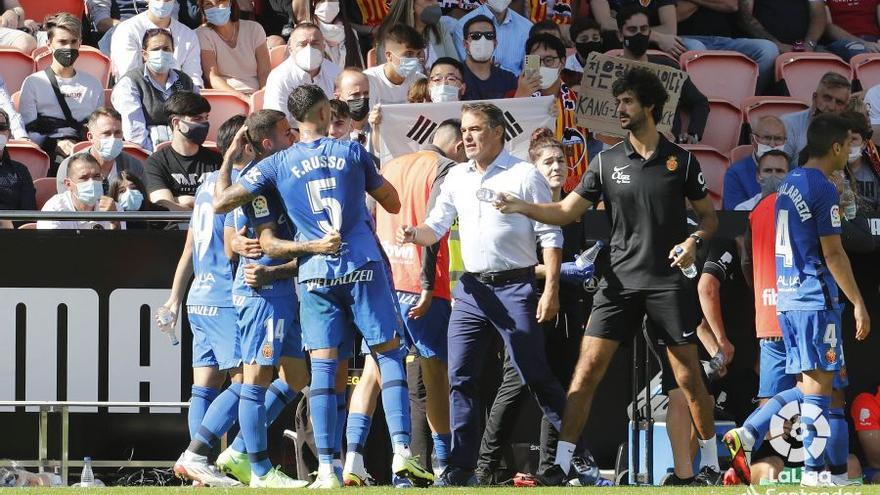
column 697, row 239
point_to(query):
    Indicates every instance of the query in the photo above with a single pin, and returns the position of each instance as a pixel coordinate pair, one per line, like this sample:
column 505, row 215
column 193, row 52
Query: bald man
column 741, row 179
column 353, row 88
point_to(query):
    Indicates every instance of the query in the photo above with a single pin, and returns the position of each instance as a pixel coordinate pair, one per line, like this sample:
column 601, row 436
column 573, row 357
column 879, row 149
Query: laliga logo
column 789, row 444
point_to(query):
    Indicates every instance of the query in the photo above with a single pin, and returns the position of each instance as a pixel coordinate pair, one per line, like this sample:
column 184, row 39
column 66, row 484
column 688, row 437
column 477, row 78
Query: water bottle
column 588, row 257
column 166, row 319
column 689, row 271
column 487, row 195
column 87, row 478
column 848, row 201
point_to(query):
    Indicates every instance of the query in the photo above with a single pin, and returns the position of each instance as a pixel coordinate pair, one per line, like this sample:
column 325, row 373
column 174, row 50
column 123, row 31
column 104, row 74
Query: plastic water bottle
column 689, row 271
column 87, row 477
column 165, row 318
column 487, row 195
column 848, row 201
column 588, row 257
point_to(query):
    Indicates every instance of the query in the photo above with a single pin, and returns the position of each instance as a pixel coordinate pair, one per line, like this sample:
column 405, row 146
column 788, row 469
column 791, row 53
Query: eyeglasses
column 448, row 79
column 550, row 61
column 476, row 35
column 770, row 140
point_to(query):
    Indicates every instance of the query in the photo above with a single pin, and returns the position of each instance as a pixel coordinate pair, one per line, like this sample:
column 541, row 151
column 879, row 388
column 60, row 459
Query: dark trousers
column 563, row 342
column 479, row 309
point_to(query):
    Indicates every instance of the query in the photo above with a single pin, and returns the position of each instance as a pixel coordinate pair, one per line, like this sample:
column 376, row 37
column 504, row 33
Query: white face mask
column 3, row 140
column 481, row 50
column 109, row 148
column 89, row 192
column 762, row 149
column 160, row 8
column 407, row 66
column 308, row 58
column 497, row 6
column 855, row 153
column 441, row 93
column 548, row 76
column 334, row 34
column 327, row 11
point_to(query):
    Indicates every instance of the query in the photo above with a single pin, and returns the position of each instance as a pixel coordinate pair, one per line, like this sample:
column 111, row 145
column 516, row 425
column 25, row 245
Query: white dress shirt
column 492, row 241
column 63, row 202
column 512, row 34
column 288, row 76
column 125, row 47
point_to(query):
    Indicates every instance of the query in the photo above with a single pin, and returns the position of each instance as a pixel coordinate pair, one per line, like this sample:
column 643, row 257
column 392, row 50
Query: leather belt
column 503, row 276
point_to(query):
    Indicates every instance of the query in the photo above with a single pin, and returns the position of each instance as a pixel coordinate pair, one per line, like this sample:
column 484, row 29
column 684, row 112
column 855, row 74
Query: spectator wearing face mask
column 107, row 14
column 140, row 95
column 661, row 18
column 512, row 32
column 587, row 37
column 353, row 88
column 446, row 81
column 56, row 102
column 772, row 168
column 305, row 65
column 831, row 96
column 862, row 173
column 128, row 41
column 83, row 192
column 129, row 192
column 105, row 134
column 16, row 185
column 233, row 51
column 342, row 44
column 405, row 55
column 483, row 79
column 174, row 172
column 740, row 184
column 426, row 17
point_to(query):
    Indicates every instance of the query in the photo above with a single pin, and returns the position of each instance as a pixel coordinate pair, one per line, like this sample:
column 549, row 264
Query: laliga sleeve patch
column 835, row 216
column 261, row 207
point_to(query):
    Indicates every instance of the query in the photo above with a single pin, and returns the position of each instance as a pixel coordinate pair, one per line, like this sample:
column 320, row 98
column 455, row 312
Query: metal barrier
column 63, row 408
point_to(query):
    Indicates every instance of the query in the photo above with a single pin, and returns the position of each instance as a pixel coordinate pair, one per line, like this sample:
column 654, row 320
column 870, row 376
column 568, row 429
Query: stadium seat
column 161, row 145
column 38, row 51
column 608, row 139
column 714, row 164
column 81, row 146
column 758, row 106
column 257, row 100
column 722, row 127
column 866, row 67
column 15, row 97
column 28, row 226
column 740, row 152
column 90, row 61
column 39, row 9
column 277, row 55
column 46, row 188
column 135, row 151
column 211, row 145
column 721, row 74
column 16, row 67
column 801, row 71
column 31, row 156
column 224, row 104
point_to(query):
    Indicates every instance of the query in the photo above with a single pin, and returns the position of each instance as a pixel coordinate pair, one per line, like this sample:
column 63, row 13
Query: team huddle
column 282, row 210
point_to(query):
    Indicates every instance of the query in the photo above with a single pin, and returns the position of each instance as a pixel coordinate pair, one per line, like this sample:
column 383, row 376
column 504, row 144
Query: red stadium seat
column 278, row 54
column 211, row 145
column 257, row 100
column 866, row 67
column 81, row 146
column 161, row 145
column 31, row 156
column 39, row 51
column 722, row 127
column 607, row 139
column 801, row 71
column 740, row 152
column 46, row 188
column 16, row 67
column 90, row 60
column 39, row 9
column 224, row 104
column 758, row 106
column 135, row 151
column 714, row 165
column 721, row 74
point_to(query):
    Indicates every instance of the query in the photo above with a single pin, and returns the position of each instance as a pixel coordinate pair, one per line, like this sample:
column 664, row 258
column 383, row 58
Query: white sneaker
column 816, row 478
column 843, row 480
column 196, row 468
column 276, row 478
column 326, row 481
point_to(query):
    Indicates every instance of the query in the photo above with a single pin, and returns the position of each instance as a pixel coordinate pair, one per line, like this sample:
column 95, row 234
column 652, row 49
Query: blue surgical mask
column 131, row 200
column 89, row 192
column 218, row 16
column 109, row 147
column 161, row 9
column 408, row 66
column 160, row 61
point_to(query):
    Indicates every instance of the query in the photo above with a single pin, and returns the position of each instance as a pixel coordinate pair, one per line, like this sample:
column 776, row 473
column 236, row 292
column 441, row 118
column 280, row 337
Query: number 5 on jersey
column 327, row 205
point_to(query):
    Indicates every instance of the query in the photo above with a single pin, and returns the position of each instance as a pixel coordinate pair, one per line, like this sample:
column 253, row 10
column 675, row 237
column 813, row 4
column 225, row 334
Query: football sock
column 199, row 402
column 759, row 422
column 220, row 416
column 278, row 396
column 814, row 407
column 322, row 404
column 252, row 418
column 395, row 396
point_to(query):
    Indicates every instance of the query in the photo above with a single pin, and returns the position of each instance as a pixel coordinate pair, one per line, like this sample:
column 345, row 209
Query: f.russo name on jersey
column 316, row 162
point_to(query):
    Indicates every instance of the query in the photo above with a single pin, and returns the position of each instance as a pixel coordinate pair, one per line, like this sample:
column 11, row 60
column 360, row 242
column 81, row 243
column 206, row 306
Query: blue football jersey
column 806, row 209
column 322, row 185
column 265, row 208
column 212, row 270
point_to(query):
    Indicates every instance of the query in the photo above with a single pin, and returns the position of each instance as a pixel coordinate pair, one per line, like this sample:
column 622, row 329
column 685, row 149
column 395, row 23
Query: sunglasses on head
column 476, row 35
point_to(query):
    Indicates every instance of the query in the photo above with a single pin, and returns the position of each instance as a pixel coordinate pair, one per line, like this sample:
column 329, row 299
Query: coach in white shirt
column 496, row 292
column 84, row 193
column 305, row 65
column 126, row 45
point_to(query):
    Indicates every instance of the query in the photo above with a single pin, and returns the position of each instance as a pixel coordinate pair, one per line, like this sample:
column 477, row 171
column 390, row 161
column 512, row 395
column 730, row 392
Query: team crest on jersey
column 672, row 163
column 261, row 207
column 831, row 356
column 267, row 350
column 835, row 216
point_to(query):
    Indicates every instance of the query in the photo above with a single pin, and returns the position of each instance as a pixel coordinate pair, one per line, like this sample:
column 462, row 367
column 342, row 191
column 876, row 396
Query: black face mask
column 195, row 133
column 586, row 48
column 359, row 108
column 637, row 44
column 66, row 56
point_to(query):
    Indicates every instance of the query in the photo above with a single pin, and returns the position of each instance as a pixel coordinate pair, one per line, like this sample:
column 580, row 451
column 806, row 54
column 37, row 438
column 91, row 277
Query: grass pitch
column 622, row 490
